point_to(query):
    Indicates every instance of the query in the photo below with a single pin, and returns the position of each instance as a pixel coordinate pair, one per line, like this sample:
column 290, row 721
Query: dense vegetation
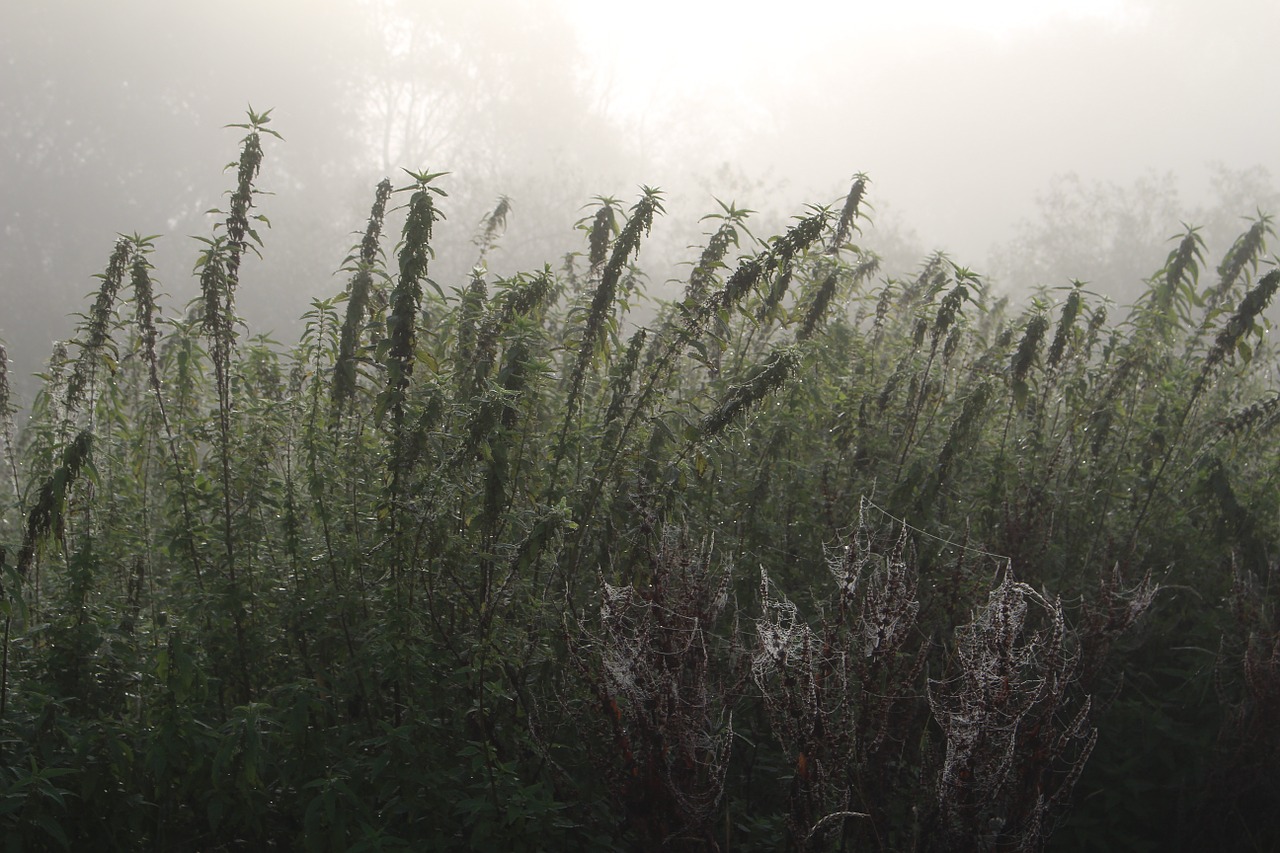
column 812, row 560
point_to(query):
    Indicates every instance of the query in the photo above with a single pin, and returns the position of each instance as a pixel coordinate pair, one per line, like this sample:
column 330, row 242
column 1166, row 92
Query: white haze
column 960, row 112
column 966, row 116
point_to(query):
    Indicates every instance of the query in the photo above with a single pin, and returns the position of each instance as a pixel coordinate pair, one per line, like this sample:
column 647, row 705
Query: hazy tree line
column 110, row 114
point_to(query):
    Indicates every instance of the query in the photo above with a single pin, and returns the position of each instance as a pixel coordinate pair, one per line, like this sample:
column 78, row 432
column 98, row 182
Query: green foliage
column 359, row 294
column 475, row 567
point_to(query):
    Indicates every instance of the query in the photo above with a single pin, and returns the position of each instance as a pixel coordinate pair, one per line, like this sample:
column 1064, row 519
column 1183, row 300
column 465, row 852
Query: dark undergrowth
column 812, row 559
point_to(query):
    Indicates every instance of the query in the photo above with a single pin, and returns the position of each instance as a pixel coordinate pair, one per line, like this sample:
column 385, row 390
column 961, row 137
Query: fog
column 1034, row 143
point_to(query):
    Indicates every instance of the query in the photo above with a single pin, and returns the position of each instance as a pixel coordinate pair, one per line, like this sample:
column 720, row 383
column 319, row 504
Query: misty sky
column 964, row 114
column 960, row 111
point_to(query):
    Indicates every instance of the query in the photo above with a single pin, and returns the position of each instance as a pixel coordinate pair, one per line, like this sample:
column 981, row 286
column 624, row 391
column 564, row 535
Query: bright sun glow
column 644, row 53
